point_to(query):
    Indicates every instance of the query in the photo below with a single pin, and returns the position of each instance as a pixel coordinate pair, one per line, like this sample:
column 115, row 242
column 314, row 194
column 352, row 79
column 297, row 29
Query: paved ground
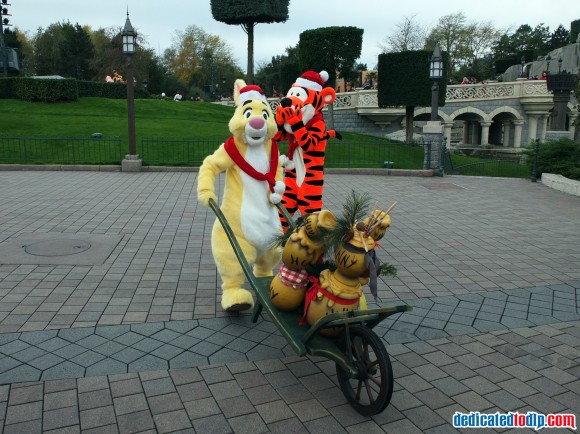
column 136, row 341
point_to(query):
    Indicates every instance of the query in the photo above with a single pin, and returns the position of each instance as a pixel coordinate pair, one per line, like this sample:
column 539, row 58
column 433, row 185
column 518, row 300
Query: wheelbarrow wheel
column 371, row 390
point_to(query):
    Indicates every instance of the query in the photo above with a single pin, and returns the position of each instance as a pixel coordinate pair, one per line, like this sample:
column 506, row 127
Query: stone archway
column 474, row 124
column 505, row 127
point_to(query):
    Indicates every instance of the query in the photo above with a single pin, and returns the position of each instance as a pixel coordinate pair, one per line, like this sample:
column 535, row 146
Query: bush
column 6, row 85
column 108, row 90
column 45, row 90
column 561, row 157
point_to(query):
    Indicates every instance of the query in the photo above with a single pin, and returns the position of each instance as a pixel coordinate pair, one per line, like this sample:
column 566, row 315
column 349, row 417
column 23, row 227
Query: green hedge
column 108, row 90
column 43, row 90
column 52, row 90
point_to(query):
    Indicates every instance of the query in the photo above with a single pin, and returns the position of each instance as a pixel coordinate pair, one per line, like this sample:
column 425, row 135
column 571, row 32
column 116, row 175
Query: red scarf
column 235, row 155
column 312, row 292
column 292, row 145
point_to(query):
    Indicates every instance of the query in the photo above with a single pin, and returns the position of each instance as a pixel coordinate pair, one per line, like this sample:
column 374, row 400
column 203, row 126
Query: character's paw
column 204, row 197
column 287, row 162
column 279, row 187
column 275, row 198
column 234, row 300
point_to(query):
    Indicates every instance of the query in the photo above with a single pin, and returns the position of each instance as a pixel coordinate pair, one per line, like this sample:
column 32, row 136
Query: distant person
column 178, row 97
column 544, row 75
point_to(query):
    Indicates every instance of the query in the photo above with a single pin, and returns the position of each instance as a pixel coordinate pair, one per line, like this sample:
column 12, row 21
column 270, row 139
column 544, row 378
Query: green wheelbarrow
column 363, row 366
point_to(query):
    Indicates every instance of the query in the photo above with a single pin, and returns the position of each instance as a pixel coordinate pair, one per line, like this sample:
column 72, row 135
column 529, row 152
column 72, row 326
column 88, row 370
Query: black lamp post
column 548, row 59
column 129, row 44
column 523, row 66
column 360, row 68
column 561, row 85
column 435, row 74
column 4, row 22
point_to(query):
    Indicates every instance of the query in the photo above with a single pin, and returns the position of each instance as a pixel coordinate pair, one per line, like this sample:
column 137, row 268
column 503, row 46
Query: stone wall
column 351, row 121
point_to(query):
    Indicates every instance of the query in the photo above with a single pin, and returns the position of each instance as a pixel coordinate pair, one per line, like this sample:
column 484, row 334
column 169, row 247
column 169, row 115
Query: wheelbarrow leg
column 257, row 311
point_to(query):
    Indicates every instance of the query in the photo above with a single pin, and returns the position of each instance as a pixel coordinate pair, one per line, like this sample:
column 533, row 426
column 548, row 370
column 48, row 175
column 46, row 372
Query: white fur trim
column 275, row 198
column 308, row 84
column 279, row 187
column 250, row 94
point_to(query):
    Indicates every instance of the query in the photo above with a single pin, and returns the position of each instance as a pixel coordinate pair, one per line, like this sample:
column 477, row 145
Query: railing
column 364, row 153
column 60, row 150
column 486, row 91
column 480, row 91
column 176, row 152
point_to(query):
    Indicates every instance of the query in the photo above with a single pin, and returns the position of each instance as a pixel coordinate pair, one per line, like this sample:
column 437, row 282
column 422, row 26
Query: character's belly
column 259, row 218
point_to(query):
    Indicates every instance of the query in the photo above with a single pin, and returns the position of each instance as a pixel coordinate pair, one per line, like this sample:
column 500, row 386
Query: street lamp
column 523, row 65
column 129, row 44
column 435, row 74
column 360, row 68
column 4, row 22
column 548, row 58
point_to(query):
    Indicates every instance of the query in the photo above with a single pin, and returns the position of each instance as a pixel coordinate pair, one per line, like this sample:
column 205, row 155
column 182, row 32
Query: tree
column 76, row 51
column 278, row 75
column 451, row 33
column 559, row 38
column 248, row 13
column 200, row 59
column 410, row 71
column 333, row 49
column 47, row 53
column 407, row 35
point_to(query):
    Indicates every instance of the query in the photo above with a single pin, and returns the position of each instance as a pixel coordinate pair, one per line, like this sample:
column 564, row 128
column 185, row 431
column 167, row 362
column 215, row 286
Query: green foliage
column 107, row 90
column 574, row 31
column 404, row 79
column 245, row 11
column 45, row 90
column 278, row 75
column 561, row 157
column 6, row 88
column 331, row 49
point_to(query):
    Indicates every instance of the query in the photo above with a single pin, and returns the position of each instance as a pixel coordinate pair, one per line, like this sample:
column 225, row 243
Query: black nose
column 286, row 102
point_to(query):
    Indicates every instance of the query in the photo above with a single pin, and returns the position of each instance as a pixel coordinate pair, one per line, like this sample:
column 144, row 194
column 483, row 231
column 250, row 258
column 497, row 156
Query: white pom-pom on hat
column 312, row 80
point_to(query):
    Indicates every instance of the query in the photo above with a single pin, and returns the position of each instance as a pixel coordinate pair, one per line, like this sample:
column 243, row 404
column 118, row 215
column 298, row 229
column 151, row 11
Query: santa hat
column 249, row 92
column 312, row 80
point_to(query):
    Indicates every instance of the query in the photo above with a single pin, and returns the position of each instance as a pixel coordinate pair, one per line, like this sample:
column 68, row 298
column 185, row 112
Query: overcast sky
column 158, row 20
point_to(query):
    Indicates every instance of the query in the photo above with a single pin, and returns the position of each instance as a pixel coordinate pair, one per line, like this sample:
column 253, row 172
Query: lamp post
column 523, row 66
column 4, row 22
column 360, row 68
column 129, row 36
column 435, row 74
column 433, row 130
column 548, row 59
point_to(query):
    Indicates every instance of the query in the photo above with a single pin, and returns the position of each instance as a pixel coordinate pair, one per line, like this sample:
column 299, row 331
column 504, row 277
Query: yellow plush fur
column 247, row 203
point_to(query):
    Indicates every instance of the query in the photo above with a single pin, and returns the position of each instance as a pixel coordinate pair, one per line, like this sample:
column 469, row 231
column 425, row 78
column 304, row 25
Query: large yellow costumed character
column 253, row 186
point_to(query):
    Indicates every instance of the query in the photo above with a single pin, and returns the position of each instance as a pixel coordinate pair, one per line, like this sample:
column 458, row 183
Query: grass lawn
column 170, row 133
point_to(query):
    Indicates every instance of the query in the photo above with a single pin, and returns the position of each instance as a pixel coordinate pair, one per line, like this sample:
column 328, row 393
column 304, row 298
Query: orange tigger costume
column 300, row 121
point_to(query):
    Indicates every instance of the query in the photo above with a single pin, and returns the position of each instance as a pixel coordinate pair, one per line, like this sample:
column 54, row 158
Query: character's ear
column 328, row 95
column 238, row 84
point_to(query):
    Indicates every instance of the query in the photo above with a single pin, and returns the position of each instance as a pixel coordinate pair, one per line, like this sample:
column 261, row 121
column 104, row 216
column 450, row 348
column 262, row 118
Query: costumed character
column 253, row 185
column 300, row 121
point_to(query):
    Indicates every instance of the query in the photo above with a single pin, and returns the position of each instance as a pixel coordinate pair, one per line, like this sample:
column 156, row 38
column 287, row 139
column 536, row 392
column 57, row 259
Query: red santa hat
column 251, row 91
column 312, row 80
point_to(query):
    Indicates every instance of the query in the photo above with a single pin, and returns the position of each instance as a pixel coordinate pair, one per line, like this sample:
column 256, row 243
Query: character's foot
column 234, row 300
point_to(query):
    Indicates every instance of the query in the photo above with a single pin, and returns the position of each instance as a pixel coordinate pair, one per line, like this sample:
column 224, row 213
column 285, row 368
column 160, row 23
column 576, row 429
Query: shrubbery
column 561, row 157
column 62, row 90
column 43, row 90
column 107, row 90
